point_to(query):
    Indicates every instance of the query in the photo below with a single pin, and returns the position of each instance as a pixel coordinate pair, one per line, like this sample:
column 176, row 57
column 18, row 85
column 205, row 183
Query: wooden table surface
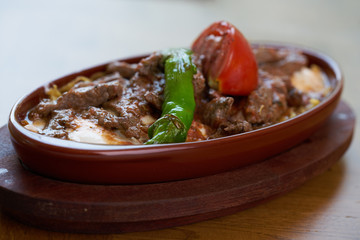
column 40, row 41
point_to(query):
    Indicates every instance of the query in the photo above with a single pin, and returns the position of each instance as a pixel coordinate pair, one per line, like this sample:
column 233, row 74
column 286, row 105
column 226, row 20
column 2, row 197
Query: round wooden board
column 72, row 207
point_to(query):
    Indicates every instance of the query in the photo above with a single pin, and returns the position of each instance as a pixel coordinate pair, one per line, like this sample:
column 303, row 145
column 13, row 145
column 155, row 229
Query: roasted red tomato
column 227, row 59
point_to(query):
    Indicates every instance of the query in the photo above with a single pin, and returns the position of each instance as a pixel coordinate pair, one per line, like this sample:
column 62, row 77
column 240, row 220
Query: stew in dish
column 182, row 95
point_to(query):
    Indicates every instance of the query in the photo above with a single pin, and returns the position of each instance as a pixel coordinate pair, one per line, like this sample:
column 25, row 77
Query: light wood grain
column 42, row 40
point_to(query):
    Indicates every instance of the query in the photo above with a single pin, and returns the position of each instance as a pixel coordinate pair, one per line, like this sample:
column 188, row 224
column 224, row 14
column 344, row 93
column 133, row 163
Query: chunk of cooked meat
column 80, row 98
column 125, row 69
column 268, row 102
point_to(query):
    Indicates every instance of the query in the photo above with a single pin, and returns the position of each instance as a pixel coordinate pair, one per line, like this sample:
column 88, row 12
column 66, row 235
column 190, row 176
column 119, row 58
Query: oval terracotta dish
column 109, row 164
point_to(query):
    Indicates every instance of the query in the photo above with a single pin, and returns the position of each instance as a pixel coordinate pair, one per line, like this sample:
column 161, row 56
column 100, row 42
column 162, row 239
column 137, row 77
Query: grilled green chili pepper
column 179, row 104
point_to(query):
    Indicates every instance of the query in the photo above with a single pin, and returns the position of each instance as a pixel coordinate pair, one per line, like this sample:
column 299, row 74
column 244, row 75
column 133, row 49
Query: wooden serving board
column 72, row 207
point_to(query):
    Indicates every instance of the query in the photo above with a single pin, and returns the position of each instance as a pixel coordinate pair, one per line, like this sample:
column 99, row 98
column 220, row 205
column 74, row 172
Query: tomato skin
column 229, row 62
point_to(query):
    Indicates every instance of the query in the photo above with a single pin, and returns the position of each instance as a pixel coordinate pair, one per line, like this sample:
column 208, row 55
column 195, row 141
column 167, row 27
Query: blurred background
column 41, row 40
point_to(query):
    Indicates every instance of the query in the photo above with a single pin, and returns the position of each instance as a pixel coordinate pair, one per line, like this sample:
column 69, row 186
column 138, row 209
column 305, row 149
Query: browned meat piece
column 131, row 107
column 104, row 118
column 104, row 79
column 154, row 99
column 126, row 70
column 217, row 111
column 82, row 97
column 199, row 86
column 89, row 96
column 109, row 78
column 268, row 102
column 281, row 63
column 238, row 126
column 151, row 65
column 142, row 97
column 225, row 117
column 154, row 94
column 267, row 55
column 43, row 109
column 230, row 128
column 295, row 98
column 198, row 131
column 59, row 122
